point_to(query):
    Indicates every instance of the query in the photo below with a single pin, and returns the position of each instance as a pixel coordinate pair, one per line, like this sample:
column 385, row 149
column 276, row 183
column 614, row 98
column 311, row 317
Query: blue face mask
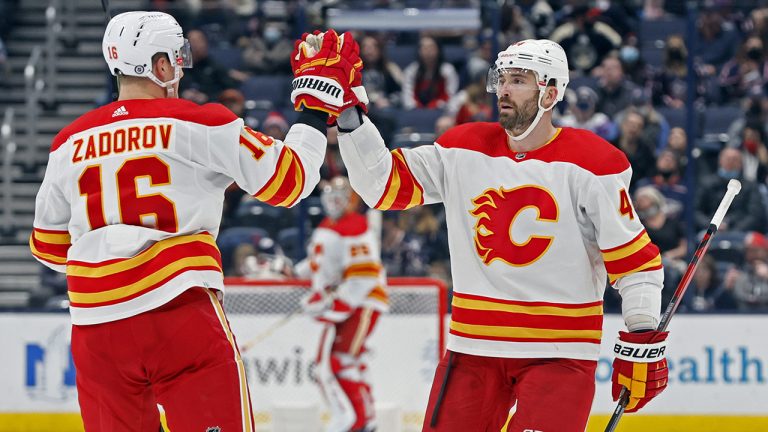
column 728, row 175
column 629, row 54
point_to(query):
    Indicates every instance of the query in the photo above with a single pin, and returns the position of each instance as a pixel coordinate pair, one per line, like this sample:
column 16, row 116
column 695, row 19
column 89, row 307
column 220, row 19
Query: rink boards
column 718, row 378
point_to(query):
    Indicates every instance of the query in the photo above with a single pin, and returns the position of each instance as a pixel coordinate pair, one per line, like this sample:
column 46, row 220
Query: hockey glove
column 326, row 66
column 640, row 366
column 325, row 307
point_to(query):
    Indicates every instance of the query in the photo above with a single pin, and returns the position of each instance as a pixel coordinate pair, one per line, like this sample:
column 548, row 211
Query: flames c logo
column 496, row 210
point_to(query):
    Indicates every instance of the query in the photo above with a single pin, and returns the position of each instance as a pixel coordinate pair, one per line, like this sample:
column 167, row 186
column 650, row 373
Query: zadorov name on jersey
column 639, row 352
column 315, row 84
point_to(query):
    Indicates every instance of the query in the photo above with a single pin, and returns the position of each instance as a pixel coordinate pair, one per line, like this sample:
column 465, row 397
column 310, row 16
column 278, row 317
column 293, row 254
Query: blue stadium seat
column 717, row 119
column 229, row 57
column 288, row 239
column 728, row 246
column 658, row 30
column 583, row 81
column 402, row 55
column 274, row 88
column 417, row 120
column 675, row 117
column 254, row 213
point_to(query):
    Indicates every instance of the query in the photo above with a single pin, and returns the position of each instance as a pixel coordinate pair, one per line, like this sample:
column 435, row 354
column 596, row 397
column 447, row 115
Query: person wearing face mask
column 669, row 83
column 668, row 182
column 266, row 51
column 747, row 212
column 746, row 72
column 666, row 233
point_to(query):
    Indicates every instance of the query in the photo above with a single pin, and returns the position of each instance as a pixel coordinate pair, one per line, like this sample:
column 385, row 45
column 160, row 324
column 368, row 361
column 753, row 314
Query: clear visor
column 184, row 55
column 334, row 202
column 517, row 78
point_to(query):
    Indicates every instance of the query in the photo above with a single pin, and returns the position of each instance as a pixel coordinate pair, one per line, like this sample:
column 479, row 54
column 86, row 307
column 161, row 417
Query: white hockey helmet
column 543, row 57
column 546, row 59
column 335, row 196
column 133, row 38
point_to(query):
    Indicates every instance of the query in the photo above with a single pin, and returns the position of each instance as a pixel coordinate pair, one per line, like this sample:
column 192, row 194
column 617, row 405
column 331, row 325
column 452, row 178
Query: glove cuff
column 350, row 119
column 639, row 352
column 325, row 89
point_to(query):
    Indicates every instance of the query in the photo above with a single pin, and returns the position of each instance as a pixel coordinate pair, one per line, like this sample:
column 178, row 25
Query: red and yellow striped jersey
column 132, row 198
column 344, row 256
column 534, row 237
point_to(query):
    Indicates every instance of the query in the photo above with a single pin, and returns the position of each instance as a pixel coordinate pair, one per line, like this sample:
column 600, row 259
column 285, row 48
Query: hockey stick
column 734, row 186
column 269, row 330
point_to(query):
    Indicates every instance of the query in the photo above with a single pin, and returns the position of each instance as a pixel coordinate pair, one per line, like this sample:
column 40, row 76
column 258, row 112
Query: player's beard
column 521, row 117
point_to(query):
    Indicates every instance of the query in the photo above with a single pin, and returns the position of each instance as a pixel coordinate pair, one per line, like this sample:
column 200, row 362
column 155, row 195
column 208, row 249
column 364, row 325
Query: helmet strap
column 536, row 119
column 168, row 85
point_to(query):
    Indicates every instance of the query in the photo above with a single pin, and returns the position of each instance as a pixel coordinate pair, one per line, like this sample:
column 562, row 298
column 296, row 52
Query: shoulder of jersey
column 353, row 224
column 586, row 150
column 212, row 114
column 483, row 137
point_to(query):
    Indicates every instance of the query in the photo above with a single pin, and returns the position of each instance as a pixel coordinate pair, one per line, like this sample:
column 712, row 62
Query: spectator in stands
column 585, row 40
column 383, row 79
column 635, row 146
column 666, row 233
column 267, row 50
column 582, row 114
column 750, row 283
column 401, row 252
column 746, row 73
column 615, row 91
column 218, row 20
column 677, row 142
column 669, row 84
column 706, row 292
column 429, row 82
column 477, row 106
column 275, row 125
column 718, row 41
column 653, row 10
column 442, row 124
column 207, row 79
column 514, row 25
column 540, row 14
column 235, row 101
column 747, row 212
column 656, row 127
column 755, row 154
column 668, row 181
column 262, row 259
column 481, row 58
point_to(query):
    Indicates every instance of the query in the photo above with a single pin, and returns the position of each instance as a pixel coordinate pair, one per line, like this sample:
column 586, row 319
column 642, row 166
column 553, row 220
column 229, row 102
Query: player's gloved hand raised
column 326, row 67
column 640, row 366
column 325, row 307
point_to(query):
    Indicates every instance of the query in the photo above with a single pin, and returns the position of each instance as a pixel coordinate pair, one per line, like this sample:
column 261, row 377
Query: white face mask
column 334, row 202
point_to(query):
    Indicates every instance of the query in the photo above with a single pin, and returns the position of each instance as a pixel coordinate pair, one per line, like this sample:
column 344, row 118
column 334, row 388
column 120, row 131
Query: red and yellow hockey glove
column 640, row 366
column 325, row 67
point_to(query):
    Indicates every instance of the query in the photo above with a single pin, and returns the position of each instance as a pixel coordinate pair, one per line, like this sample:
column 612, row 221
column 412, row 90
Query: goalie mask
column 546, row 59
column 133, row 38
column 336, row 196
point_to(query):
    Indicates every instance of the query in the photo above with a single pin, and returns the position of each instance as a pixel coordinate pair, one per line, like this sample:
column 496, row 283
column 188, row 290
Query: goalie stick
column 269, row 330
column 734, row 186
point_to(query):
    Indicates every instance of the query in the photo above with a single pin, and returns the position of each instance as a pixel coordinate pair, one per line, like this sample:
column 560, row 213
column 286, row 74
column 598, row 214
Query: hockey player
column 539, row 219
column 348, row 295
column 130, row 207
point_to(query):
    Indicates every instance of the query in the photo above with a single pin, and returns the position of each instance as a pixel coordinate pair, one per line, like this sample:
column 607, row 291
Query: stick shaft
column 677, row 297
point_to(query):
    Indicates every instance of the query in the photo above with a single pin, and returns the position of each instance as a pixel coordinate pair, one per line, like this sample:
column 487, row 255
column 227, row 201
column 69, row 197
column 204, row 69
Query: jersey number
column 131, row 205
column 625, row 205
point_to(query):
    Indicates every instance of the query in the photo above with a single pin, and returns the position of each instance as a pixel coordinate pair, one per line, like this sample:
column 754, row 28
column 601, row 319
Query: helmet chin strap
column 535, row 121
column 168, row 85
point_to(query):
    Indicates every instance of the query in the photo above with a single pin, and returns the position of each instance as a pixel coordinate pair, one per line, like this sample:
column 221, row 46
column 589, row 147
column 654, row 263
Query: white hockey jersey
column 533, row 236
column 344, row 256
column 132, row 198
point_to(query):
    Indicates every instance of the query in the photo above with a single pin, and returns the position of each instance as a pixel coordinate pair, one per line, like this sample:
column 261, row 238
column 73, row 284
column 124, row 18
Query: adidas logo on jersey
column 120, row 111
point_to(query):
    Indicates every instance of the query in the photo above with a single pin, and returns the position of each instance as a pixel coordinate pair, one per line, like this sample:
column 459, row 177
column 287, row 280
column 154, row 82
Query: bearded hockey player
column 130, row 207
column 539, row 218
column 348, row 295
